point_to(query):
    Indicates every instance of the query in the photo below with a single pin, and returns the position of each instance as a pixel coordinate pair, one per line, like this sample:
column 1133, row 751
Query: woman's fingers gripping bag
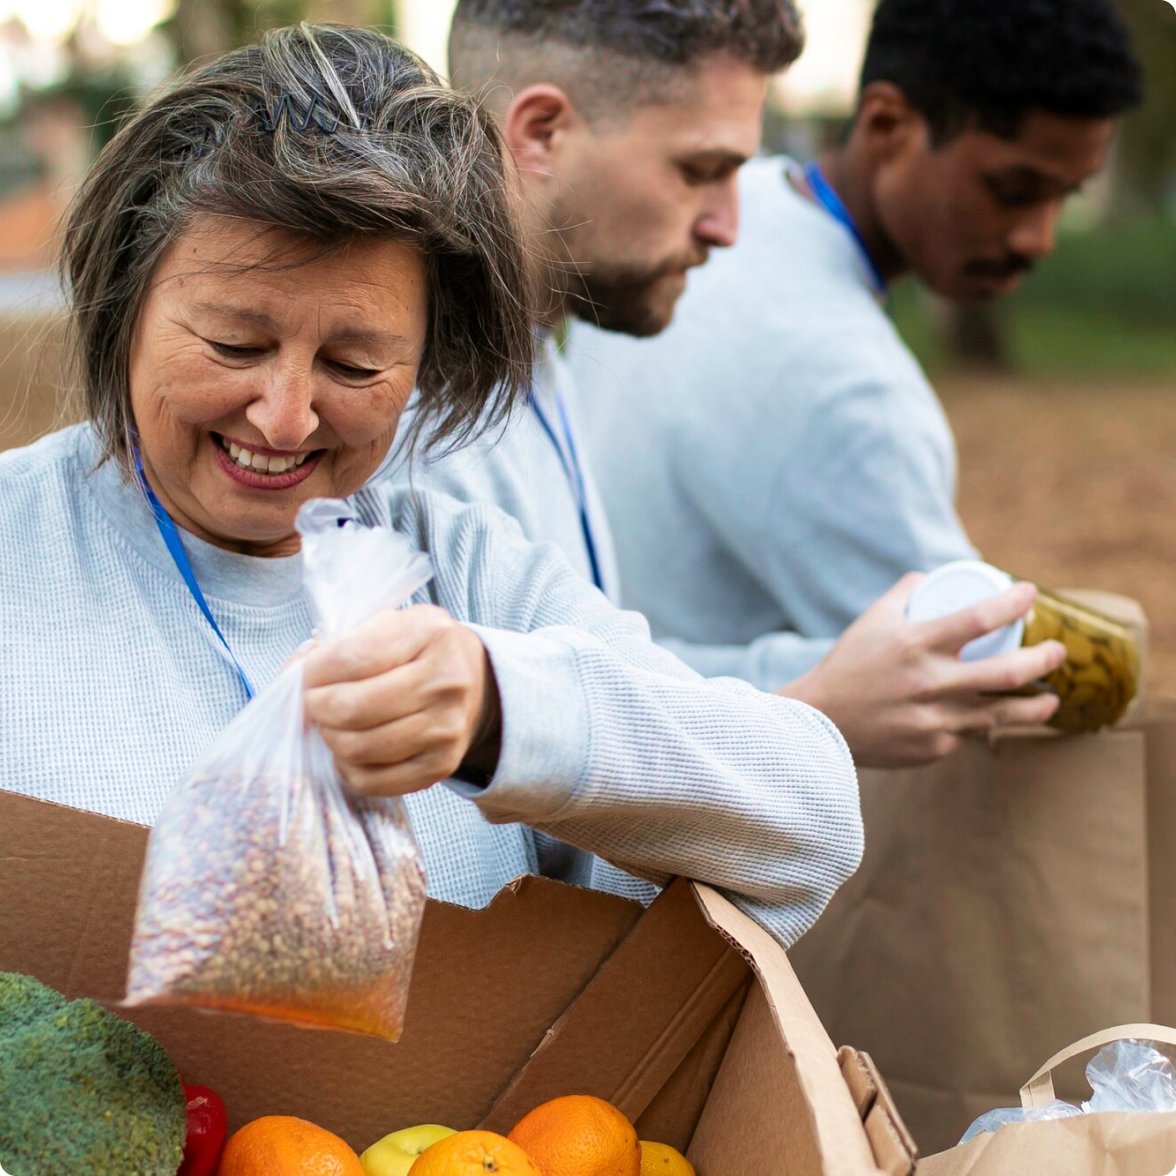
column 269, row 887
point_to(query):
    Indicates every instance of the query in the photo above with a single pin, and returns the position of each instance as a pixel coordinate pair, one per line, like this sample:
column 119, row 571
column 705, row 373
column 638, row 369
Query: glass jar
column 1100, row 675
column 1098, row 679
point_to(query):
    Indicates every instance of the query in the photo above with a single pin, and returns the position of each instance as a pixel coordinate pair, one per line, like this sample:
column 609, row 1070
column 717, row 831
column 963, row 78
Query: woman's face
column 262, row 377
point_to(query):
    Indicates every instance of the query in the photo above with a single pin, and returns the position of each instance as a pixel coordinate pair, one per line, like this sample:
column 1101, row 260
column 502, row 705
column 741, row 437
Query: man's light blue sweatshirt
column 776, row 460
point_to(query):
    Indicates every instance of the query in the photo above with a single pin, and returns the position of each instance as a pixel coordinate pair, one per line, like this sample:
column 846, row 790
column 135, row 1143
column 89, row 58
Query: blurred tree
column 101, row 96
column 203, row 28
column 977, row 337
column 1147, row 155
column 373, row 13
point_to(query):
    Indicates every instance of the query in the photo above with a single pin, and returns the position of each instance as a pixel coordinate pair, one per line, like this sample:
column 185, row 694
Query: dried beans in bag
column 269, row 887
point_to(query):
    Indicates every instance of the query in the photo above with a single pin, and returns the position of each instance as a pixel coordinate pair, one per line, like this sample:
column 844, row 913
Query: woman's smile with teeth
column 259, row 462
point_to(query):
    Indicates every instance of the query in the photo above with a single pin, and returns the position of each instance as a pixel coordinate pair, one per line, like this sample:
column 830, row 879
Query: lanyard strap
column 835, row 206
column 570, row 461
column 175, row 548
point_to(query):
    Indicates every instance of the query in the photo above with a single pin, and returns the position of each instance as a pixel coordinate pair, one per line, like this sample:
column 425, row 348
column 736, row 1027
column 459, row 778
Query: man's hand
column 900, row 694
column 405, row 700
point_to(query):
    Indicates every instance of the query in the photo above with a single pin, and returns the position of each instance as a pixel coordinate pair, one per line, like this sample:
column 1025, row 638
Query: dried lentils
column 280, row 898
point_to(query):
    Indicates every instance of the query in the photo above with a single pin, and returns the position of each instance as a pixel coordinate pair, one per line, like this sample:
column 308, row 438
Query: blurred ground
column 1073, row 484
column 1070, row 484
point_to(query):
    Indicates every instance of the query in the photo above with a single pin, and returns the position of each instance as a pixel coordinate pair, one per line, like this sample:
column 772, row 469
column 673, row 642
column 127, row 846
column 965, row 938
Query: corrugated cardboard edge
column 894, row 1146
column 834, row 1107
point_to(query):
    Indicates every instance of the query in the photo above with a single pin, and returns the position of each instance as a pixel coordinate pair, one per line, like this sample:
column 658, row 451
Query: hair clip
column 314, row 115
column 215, row 134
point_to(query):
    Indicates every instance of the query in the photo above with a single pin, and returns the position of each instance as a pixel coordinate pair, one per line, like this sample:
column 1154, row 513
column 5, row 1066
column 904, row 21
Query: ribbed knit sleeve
column 614, row 746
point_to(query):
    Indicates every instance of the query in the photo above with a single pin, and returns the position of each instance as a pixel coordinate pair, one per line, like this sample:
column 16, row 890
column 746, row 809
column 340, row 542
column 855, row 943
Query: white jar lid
column 960, row 585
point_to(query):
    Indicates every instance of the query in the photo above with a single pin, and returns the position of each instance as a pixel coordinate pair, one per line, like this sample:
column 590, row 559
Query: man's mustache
column 676, row 265
column 1010, row 267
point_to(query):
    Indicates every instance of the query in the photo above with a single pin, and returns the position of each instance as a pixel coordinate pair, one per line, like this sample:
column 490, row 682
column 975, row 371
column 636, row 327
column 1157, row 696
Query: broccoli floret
column 82, row 1090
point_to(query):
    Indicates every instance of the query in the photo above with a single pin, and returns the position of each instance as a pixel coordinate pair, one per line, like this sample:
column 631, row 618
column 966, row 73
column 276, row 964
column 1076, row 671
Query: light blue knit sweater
column 112, row 683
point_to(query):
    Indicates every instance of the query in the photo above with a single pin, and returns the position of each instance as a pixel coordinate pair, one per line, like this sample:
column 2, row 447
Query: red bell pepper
column 208, row 1124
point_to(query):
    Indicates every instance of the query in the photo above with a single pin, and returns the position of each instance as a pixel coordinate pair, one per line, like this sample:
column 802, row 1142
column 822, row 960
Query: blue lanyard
column 575, row 476
column 835, row 206
column 171, row 540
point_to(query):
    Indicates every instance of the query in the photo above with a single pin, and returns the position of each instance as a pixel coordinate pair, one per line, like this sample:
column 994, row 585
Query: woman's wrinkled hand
column 405, row 700
column 899, row 692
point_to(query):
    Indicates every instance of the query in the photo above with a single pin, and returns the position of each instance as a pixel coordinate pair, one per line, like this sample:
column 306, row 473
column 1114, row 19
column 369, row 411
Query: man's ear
column 535, row 125
column 886, row 122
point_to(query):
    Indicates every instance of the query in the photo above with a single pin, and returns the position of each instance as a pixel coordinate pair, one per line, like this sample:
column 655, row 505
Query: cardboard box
column 686, row 1016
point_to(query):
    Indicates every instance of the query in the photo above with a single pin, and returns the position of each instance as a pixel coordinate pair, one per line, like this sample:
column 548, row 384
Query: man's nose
column 1035, row 233
column 718, row 225
column 283, row 410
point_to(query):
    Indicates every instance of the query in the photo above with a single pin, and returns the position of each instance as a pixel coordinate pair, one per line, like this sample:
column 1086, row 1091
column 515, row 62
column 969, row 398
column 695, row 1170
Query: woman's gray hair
column 329, row 132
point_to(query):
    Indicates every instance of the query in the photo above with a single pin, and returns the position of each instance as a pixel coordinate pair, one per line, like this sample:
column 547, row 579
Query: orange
column 579, row 1135
column 280, row 1145
column 659, row 1159
column 473, row 1153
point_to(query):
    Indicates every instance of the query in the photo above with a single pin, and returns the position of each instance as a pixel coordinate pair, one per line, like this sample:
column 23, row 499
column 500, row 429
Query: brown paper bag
column 1001, row 911
column 1118, row 1144
column 1013, row 898
column 1093, row 1145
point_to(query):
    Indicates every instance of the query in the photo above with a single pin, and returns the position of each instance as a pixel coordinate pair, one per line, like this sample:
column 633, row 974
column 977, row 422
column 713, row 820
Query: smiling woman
column 263, row 265
column 301, row 151
column 301, row 385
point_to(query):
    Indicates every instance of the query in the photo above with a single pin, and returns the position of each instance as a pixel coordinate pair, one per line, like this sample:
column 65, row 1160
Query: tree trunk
column 1148, row 146
column 976, row 336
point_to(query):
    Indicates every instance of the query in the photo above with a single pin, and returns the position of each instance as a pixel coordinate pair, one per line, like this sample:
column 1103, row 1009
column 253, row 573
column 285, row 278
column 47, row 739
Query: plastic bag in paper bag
column 1124, row 1076
column 269, row 887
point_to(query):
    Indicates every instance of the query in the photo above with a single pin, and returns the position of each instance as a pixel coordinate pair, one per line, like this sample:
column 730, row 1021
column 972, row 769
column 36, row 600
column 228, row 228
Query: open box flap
column 651, row 1004
column 836, row 1112
column 728, row 1074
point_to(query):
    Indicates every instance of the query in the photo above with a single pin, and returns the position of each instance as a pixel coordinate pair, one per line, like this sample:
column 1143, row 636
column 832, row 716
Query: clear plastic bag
column 1130, row 1076
column 995, row 1120
column 269, row 887
column 1126, row 1075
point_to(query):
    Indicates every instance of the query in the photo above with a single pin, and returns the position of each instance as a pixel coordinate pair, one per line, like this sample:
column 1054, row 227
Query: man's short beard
column 624, row 300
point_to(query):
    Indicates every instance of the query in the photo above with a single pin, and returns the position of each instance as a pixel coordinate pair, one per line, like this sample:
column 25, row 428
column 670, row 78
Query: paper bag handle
column 1039, row 1090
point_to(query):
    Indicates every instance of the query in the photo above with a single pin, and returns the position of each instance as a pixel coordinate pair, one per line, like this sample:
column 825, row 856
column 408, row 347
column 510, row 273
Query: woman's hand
column 405, row 700
column 899, row 693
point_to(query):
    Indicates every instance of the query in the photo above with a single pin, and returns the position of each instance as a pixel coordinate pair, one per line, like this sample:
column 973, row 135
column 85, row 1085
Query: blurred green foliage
column 1148, row 148
column 1105, row 301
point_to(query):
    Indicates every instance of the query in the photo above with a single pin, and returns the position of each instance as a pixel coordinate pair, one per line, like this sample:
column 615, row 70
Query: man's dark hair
column 988, row 63
column 630, row 50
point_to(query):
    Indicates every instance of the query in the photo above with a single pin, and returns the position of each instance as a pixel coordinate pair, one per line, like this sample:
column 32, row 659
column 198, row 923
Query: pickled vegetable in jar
column 1100, row 675
column 1098, row 679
